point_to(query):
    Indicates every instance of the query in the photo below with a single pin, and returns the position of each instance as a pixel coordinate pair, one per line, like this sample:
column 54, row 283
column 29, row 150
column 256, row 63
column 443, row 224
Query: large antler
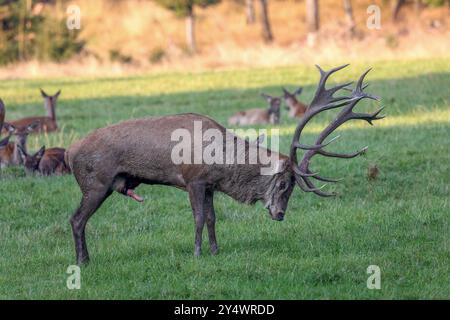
column 324, row 99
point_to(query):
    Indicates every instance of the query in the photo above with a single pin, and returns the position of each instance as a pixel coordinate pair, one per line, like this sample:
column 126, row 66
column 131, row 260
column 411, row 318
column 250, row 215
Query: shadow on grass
column 400, row 96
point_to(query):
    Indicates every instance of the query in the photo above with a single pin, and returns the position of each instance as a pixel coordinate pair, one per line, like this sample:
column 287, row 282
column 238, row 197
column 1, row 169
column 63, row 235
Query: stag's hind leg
column 91, row 201
column 211, row 220
column 197, row 197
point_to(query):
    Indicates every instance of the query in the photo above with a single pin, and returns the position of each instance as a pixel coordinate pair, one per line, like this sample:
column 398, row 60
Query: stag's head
column 292, row 171
column 280, row 189
column 274, row 106
column 31, row 162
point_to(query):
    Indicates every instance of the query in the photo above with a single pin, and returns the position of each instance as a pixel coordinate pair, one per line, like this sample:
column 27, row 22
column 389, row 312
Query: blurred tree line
column 32, row 29
column 36, row 29
column 186, row 9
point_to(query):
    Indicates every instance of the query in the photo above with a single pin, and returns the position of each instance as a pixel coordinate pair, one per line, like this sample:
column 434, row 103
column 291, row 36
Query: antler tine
column 316, row 176
column 326, row 74
column 318, row 191
column 304, row 174
column 307, row 186
column 364, row 86
column 324, row 179
column 359, row 84
column 315, row 147
column 369, row 117
column 342, row 155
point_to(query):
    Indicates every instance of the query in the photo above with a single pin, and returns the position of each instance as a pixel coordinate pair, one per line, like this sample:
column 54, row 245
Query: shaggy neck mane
column 246, row 184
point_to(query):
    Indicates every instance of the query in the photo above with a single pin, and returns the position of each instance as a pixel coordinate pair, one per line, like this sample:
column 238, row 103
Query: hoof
column 83, row 261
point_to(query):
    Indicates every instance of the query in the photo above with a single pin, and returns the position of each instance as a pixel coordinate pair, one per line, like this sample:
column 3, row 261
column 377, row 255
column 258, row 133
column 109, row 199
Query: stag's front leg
column 211, row 220
column 197, row 198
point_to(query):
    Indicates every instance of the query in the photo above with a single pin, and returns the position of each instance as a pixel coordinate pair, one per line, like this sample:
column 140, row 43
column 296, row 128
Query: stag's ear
column 56, row 95
column 43, row 94
column 298, row 91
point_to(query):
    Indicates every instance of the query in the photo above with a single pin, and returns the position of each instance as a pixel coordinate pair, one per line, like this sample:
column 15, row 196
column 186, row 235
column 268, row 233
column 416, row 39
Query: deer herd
column 272, row 114
column 120, row 157
column 15, row 153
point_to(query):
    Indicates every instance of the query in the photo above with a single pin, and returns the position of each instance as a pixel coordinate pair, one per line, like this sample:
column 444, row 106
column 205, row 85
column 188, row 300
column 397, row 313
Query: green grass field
column 399, row 222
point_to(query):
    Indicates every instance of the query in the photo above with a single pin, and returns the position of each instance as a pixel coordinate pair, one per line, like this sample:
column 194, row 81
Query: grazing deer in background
column 46, row 124
column 259, row 116
column 9, row 155
column 3, row 142
column 295, row 107
column 46, row 161
column 122, row 156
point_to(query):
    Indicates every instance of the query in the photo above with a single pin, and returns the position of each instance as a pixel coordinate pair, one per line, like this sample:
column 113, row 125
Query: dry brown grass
column 138, row 28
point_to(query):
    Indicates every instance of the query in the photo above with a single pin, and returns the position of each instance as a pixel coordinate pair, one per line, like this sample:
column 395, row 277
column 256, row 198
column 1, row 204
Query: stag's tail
column 70, row 153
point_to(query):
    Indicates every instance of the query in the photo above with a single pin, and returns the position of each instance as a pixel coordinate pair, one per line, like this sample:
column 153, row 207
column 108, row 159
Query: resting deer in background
column 122, row 156
column 296, row 108
column 259, row 116
column 9, row 155
column 46, row 161
column 46, row 124
column 3, row 142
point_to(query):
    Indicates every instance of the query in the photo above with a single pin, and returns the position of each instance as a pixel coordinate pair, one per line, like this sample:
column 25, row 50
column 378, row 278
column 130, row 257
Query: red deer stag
column 259, row 116
column 296, row 108
column 118, row 158
column 46, row 124
column 46, row 161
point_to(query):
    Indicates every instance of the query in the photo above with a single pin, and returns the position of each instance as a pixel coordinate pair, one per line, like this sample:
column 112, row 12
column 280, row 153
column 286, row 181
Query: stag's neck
column 245, row 184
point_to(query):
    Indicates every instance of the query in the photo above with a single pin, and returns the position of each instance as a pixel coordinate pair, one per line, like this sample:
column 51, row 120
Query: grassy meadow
column 399, row 221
